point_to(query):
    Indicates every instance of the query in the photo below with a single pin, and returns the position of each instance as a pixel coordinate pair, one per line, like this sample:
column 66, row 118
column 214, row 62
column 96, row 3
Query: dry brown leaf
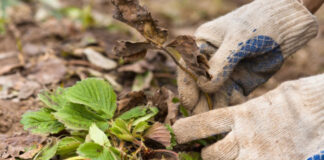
column 48, row 71
column 189, row 51
column 99, row 60
column 8, row 61
column 131, row 51
column 29, row 89
column 9, row 83
column 31, row 153
column 130, row 100
column 159, row 133
column 9, row 68
column 14, row 145
column 172, row 109
column 31, row 49
column 168, row 110
column 135, row 15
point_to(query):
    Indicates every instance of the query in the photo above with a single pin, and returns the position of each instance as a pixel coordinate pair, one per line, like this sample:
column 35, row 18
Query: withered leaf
column 8, row 61
column 49, row 71
column 168, row 110
column 172, row 109
column 131, row 51
column 189, row 51
column 31, row 153
column 29, row 89
column 9, row 82
column 130, row 100
column 14, row 146
column 99, row 60
column 159, row 133
column 135, row 15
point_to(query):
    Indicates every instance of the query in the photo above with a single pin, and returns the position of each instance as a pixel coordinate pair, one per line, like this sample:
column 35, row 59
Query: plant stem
column 138, row 149
column 193, row 76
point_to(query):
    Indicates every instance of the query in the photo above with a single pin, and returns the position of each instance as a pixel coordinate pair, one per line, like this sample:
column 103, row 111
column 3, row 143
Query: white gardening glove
column 251, row 42
column 286, row 123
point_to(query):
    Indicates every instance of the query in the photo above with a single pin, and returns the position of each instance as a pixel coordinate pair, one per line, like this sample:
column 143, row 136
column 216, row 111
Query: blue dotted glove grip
column 319, row 156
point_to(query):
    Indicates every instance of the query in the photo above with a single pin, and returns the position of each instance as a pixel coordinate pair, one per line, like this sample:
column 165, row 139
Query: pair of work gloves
column 245, row 48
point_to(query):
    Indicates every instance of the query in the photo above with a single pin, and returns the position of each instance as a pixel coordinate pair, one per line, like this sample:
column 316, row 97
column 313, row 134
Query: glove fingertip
column 188, row 90
column 225, row 149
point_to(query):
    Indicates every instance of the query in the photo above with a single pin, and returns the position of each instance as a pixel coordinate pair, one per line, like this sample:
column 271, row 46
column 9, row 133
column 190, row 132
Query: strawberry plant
column 82, row 123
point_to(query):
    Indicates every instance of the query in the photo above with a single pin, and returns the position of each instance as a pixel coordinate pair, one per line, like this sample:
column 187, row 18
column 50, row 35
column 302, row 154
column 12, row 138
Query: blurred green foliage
column 4, row 4
column 54, row 9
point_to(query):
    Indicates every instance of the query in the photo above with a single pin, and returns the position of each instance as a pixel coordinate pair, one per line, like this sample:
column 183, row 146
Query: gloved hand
column 247, row 47
column 286, row 123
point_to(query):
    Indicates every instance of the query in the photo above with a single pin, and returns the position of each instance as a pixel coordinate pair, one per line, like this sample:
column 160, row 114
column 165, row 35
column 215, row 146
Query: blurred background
column 49, row 43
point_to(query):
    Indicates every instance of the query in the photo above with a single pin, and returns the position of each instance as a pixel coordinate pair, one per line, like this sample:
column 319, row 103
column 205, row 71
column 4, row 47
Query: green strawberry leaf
column 94, row 93
column 142, row 81
column 134, row 113
column 184, row 111
column 189, row 156
column 98, row 136
column 96, row 152
column 79, row 117
column 140, row 128
column 55, row 100
column 67, row 146
column 47, row 152
column 173, row 139
column 119, row 128
column 153, row 110
column 42, row 122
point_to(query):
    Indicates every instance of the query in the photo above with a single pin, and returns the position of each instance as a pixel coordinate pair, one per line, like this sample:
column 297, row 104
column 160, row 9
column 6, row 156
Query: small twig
column 121, row 145
column 138, row 149
column 193, row 76
column 17, row 35
column 84, row 63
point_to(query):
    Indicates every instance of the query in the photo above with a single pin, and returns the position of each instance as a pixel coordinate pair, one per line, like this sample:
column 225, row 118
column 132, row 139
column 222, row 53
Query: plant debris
column 131, row 99
column 133, row 14
column 17, row 144
column 131, row 51
column 48, row 71
column 159, row 133
column 186, row 46
column 98, row 60
column 50, row 45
